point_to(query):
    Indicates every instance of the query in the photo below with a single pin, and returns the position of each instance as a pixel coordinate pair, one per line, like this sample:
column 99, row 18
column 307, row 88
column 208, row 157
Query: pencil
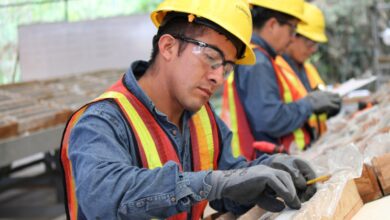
column 321, row 179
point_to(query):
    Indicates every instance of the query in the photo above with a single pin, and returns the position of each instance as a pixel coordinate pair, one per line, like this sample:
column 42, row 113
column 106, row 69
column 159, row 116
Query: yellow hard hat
column 314, row 24
column 290, row 7
column 232, row 15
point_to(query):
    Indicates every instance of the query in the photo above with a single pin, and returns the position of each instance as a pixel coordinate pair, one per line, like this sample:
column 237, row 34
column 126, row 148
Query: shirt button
column 173, row 199
column 174, row 132
column 202, row 193
column 139, row 204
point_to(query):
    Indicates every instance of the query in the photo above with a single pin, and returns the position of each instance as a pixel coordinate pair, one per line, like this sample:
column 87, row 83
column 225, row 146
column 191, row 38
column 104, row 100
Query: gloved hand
column 258, row 184
column 300, row 172
column 324, row 102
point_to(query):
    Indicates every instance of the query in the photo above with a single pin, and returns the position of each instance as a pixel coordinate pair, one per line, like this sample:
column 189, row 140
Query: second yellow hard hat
column 290, row 7
column 314, row 24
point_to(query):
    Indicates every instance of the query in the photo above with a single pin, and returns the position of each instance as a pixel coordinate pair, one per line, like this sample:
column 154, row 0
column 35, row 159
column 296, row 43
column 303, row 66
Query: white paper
column 352, row 85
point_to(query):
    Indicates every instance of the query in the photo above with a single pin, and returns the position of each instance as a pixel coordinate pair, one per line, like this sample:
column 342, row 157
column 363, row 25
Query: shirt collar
column 296, row 66
column 136, row 71
column 261, row 42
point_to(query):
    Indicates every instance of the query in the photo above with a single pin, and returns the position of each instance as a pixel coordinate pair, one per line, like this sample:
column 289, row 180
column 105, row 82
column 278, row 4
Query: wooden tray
column 368, row 185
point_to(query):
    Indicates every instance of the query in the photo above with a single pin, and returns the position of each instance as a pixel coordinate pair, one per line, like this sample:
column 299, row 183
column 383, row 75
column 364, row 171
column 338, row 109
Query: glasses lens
column 209, row 55
column 213, row 58
column 293, row 29
column 309, row 43
column 293, row 33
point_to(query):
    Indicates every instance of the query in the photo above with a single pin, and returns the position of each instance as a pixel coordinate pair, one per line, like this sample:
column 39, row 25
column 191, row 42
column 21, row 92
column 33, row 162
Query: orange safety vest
column 235, row 117
column 316, row 122
column 312, row 75
column 153, row 143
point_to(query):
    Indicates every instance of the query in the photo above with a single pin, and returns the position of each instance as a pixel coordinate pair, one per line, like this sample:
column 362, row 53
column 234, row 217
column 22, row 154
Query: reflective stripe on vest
column 312, row 75
column 234, row 116
column 71, row 204
column 319, row 122
column 153, row 143
column 316, row 122
column 293, row 87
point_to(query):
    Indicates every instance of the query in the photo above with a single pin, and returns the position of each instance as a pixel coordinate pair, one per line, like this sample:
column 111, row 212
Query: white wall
column 57, row 49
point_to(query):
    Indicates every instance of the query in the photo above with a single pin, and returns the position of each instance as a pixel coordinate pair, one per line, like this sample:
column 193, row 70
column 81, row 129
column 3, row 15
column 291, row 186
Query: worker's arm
column 299, row 170
column 109, row 182
column 259, row 92
column 228, row 161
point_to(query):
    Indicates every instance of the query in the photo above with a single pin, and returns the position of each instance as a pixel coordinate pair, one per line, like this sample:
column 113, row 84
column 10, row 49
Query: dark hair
column 178, row 27
column 177, row 24
column 261, row 15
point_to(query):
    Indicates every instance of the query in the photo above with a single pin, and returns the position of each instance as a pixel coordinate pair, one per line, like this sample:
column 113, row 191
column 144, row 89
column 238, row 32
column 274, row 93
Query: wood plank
column 349, row 203
column 255, row 213
column 42, row 118
column 382, row 168
column 8, row 127
column 368, row 185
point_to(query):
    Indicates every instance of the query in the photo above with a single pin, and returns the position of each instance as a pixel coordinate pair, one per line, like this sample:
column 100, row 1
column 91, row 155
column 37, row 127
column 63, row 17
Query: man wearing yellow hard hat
column 152, row 147
column 302, row 75
column 261, row 104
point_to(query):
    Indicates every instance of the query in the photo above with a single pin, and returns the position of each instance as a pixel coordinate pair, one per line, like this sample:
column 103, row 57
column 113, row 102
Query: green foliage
column 349, row 50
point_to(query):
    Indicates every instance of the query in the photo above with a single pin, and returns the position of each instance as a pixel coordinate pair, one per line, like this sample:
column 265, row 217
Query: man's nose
column 216, row 75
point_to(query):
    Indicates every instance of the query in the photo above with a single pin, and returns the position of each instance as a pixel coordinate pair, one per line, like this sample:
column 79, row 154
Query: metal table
column 16, row 148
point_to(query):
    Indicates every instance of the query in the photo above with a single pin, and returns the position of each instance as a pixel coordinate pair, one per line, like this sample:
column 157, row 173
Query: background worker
column 262, row 104
column 146, row 148
column 302, row 74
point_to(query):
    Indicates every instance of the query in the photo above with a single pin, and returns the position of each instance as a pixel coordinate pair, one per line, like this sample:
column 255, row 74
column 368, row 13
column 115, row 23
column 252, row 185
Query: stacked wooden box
column 368, row 185
column 30, row 106
column 382, row 169
column 28, row 113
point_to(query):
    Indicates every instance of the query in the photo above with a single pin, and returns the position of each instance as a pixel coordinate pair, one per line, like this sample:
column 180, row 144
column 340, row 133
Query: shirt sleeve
column 259, row 94
column 110, row 183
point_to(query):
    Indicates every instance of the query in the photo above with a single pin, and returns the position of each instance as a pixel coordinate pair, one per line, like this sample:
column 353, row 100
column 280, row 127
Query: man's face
column 301, row 48
column 284, row 33
column 195, row 74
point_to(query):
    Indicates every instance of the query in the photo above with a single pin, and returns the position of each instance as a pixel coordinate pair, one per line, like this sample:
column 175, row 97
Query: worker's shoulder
column 262, row 59
column 104, row 108
column 262, row 66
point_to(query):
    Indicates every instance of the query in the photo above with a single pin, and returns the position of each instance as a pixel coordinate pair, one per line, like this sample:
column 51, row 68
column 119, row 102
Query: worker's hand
column 258, row 184
column 324, row 102
column 300, row 172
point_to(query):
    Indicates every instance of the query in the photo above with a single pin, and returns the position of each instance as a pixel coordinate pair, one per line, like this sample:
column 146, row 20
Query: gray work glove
column 324, row 102
column 300, row 172
column 258, row 184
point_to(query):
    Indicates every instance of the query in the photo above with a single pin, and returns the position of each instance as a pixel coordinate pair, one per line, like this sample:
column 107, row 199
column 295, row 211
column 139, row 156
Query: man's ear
column 167, row 46
column 271, row 23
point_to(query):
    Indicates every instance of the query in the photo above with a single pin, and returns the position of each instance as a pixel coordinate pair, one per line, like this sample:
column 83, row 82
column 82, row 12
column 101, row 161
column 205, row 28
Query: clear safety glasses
column 210, row 54
column 292, row 27
column 309, row 43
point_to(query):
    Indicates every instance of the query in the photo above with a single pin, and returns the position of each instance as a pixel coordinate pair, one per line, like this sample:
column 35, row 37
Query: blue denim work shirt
column 110, row 181
column 268, row 116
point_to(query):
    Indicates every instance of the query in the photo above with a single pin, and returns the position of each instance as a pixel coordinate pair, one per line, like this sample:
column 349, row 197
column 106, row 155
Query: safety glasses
column 292, row 27
column 308, row 43
column 209, row 54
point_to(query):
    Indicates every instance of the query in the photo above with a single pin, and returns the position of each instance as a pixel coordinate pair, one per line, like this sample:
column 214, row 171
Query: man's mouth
column 206, row 91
